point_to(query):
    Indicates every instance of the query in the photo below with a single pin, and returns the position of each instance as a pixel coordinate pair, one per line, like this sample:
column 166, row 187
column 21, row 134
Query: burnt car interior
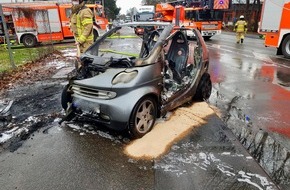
column 177, row 55
column 180, row 69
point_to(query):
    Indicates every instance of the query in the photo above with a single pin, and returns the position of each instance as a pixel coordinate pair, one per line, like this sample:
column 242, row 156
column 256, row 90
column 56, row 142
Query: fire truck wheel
column 206, row 38
column 29, row 40
column 286, row 47
column 96, row 35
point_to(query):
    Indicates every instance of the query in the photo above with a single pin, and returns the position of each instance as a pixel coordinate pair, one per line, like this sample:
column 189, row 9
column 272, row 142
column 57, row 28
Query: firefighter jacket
column 241, row 26
column 73, row 21
column 84, row 25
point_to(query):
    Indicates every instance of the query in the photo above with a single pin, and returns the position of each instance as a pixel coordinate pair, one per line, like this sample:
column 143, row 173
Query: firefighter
column 82, row 25
column 241, row 29
column 73, row 21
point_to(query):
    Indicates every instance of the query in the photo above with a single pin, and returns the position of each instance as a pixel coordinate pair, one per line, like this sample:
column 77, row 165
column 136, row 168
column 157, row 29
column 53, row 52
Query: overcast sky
column 126, row 5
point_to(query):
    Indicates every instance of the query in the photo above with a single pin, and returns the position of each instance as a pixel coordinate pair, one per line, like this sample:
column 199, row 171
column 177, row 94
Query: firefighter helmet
column 242, row 17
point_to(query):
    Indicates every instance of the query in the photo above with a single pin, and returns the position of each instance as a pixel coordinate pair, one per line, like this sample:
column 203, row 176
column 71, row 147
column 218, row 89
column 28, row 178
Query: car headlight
column 124, row 77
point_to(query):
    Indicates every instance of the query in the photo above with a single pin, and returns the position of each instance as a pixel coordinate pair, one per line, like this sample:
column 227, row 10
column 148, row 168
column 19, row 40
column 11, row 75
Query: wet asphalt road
column 252, row 89
column 63, row 158
column 257, row 80
column 210, row 157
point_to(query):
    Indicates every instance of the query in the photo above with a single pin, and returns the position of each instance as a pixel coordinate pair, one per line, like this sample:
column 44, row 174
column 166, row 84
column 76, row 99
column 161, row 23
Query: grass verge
column 22, row 55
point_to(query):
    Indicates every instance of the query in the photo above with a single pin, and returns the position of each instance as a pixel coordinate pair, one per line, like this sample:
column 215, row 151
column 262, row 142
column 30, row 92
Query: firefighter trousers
column 240, row 37
column 85, row 46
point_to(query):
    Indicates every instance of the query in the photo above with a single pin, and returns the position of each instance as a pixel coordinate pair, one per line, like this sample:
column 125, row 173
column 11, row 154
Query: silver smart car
column 127, row 81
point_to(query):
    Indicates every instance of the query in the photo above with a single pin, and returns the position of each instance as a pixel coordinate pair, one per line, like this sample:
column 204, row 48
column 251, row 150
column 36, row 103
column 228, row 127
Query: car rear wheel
column 204, row 88
column 143, row 117
column 65, row 97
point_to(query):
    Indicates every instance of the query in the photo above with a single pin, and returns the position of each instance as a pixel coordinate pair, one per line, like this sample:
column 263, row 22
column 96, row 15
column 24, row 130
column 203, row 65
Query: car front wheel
column 65, row 97
column 143, row 117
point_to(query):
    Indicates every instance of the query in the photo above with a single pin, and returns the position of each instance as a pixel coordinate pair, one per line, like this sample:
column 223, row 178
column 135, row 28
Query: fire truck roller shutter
column 48, row 21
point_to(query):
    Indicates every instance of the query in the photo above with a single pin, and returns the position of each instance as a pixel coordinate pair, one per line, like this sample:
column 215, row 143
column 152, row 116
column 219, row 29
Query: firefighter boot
column 242, row 40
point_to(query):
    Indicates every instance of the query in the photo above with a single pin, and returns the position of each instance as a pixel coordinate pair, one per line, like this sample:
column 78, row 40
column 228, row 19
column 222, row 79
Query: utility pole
column 7, row 37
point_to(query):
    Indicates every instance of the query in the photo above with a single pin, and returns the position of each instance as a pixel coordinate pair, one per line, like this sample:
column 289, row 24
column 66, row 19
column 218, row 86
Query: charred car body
column 126, row 82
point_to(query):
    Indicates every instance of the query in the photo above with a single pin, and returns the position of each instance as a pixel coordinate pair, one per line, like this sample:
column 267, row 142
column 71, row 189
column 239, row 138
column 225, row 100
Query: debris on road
column 4, row 110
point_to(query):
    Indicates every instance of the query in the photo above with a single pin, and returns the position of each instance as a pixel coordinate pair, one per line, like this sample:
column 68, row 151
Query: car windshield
column 119, row 42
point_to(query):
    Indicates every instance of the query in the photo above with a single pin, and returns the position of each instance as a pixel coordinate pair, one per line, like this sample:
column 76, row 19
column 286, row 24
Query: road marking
column 163, row 135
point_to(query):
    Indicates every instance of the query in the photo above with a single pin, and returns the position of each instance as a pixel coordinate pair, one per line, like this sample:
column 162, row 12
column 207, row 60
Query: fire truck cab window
column 209, row 15
column 204, row 15
column 190, row 15
column 68, row 12
column 99, row 11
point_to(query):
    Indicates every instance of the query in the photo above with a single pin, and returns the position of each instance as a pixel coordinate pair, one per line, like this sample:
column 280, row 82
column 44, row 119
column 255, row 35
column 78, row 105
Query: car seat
column 177, row 61
column 149, row 40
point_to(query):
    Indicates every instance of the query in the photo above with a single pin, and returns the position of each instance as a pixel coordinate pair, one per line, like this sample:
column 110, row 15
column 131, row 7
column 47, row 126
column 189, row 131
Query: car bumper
column 107, row 112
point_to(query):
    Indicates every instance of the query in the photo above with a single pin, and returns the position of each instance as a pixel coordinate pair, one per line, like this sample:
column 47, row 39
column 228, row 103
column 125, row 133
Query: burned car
column 126, row 81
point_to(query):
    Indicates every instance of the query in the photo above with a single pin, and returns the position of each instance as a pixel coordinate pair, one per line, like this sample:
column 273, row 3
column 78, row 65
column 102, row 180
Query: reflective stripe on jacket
column 241, row 26
column 85, row 25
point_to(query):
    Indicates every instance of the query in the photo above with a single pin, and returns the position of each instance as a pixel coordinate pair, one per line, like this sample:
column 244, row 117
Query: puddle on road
column 180, row 123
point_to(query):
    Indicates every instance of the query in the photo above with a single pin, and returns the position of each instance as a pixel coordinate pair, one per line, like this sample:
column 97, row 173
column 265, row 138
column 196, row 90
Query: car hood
column 102, row 80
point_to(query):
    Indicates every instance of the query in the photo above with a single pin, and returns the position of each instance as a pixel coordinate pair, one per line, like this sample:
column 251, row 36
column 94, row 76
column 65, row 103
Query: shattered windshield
column 122, row 43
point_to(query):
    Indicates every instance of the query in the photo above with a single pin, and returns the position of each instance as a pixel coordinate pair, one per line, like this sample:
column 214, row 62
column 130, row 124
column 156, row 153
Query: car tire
column 65, row 97
column 143, row 117
column 29, row 40
column 286, row 47
column 204, row 88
